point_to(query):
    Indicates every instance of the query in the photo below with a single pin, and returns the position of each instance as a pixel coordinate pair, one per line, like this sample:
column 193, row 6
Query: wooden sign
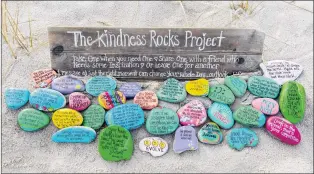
column 155, row 53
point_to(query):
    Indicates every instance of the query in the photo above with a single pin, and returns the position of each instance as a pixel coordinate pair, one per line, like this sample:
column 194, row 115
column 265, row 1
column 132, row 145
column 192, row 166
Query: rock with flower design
column 192, row 114
column 154, row 145
column 47, row 99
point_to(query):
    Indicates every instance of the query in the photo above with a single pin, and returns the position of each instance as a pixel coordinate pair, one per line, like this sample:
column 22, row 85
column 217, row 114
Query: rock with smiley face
column 222, row 94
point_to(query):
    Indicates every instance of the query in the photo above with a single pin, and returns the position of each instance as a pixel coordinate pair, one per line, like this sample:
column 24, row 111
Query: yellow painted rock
column 66, row 117
column 198, row 87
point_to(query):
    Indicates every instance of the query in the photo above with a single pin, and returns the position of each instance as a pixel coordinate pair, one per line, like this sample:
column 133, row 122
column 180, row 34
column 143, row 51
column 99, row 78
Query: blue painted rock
column 249, row 116
column 94, row 116
column 47, row 99
column 221, row 93
column 99, row 84
column 111, row 99
column 267, row 106
column 185, row 139
column 129, row 116
column 154, row 145
column 238, row 138
column 263, row 87
column 172, row 91
column 221, row 114
column 74, row 134
column 130, row 89
column 32, row 120
column 43, row 77
column 67, row 84
column 78, row 101
column 192, row 114
column 16, row 98
column 162, row 121
column 236, row 84
column 210, row 134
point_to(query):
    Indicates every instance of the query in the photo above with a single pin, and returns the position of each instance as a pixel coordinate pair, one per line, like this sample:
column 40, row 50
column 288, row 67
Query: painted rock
column 16, row 98
column 94, row 116
column 74, row 134
column 238, row 138
column 130, row 89
column 198, row 87
column 185, row 139
column 210, row 134
column 249, row 116
column 67, row 84
column 162, row 121
column 115, row 143
column 192, row 114
column 110, row 99
column 171, row 91
column 283, row 130
column 221, row 114
column 32, row 120
column 263, row 87
column 281, row 70
column 47, row 99
column 78, row 101
column 146, row 99
column 292, row 101
column 99, row 84
column 66, row 118
column 154, row 145
column 236, row 84
column 222, row 94
column 267, row 106
column 43, row 77
column 129, row 116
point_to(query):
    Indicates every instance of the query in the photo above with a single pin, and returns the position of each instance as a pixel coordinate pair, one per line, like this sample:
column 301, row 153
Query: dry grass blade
column 104, row 23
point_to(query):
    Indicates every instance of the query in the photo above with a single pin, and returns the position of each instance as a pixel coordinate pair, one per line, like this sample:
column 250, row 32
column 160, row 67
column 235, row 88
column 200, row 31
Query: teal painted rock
column 221, row 93
column 94, row 116
column 99, row 84
column 129, row 116
column 47, row 99
column 221, row 114
column 263, row 87
column 238, row 138
column 16, row 98
column 249, row 116
column 292, row 101
column 115, row 143
column 210, row 134
column 172, row 91
column 32, row 120
column 68, row 84
column 162, row 121
column 236, row 84
column 74, row 134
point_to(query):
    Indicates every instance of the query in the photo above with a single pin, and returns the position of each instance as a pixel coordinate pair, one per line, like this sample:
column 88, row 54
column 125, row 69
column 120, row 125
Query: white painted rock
column 154, row 145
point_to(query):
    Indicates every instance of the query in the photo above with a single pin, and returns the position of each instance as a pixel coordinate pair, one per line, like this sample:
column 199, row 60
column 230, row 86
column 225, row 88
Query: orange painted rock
column 146, row 99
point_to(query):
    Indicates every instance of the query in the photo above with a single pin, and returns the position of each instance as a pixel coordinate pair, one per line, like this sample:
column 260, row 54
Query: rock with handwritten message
column 154, row 145
column 47, row 99
column 221, row 114
column 130, row 89
column 221, row 93
column 66, row 117
column 267, row 106
column 236, row 84
column 185, row 139
column 171, row 91
column 192, row 114
column 74, row 134
column 292, row 101
column 115, row 143
column 210, row 134
column 15, row 98
column 94, row 116
column 67, row 84
column 146, row 99
column 249, row 116
column 162, row 121
column 238, row 138
column 78, row 101
column 110, row 99
column 263, row 87
column 99, row 84
column 32, row 120
column 43, row 78
column 198, row 87
column 281, row 70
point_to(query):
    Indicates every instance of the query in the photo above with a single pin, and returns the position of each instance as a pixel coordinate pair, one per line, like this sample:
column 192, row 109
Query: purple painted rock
column 67, row 84
column 185, row 139
column 130, row 89
column 267, row 106
column 78, row 101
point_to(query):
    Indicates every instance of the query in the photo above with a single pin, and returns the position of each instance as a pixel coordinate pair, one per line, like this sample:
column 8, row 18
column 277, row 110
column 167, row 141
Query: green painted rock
column 237, row 85
column 32, row 120
column 263, row 87
column 115, row 143
column 222, row 94
column 162, row 121
column 172, row 91
column 94, row 116
column 292, row 101
column 249, row 116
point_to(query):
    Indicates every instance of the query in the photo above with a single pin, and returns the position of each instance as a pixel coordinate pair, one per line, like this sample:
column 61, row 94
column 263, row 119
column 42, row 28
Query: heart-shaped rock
column 66, row 117
column 192, row 114
column 266, row 105
column 110, row 99
column 162, row 121
column 99, row 84
column 221, row 93
column 47, row 99
column 43, row 77
column 171, row 91
column 221, row 114
column 16, row 98
column 74, row 134
column 199, row 87
column 154, row 145
column 185, row 139
column 237, row 85
column 263, row 87
column 130, row 89
column 146, row 99
column 210, row 134
column 94, row 116
column 78, row 101
column 67, row 84
column 32, row 120
column 249, row 116
column 238, row 138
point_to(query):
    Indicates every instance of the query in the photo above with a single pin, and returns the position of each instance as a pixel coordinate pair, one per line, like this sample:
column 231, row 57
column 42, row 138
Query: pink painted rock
column 146, row 99
column 267, row 106
column 192, row 114
column 283, row 130
column 78, row 101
